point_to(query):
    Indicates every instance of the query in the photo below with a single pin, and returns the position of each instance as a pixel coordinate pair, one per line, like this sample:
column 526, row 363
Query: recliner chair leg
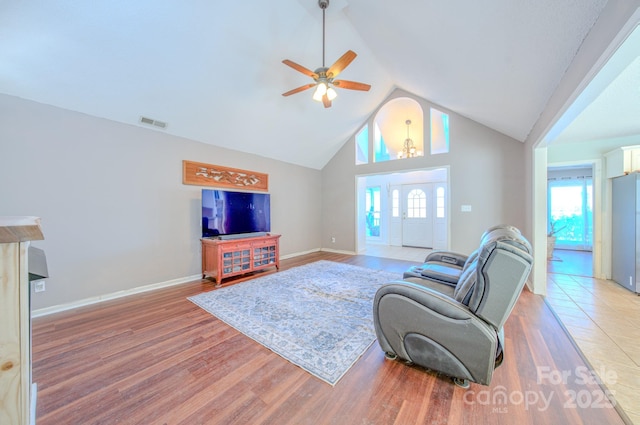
column 462, row 383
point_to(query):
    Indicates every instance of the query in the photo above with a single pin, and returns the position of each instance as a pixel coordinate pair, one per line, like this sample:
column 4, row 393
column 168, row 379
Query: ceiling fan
column 323, row 77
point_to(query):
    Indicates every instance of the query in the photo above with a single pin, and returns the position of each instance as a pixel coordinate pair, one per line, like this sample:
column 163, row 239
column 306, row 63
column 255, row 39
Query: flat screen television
column 232, row 213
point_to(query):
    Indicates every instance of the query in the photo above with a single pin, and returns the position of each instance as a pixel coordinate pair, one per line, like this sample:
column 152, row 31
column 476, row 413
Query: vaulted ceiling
column 608, row 109
column 213, row 71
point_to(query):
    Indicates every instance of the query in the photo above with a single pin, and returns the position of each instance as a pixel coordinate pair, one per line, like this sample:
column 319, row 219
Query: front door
column 417, row 217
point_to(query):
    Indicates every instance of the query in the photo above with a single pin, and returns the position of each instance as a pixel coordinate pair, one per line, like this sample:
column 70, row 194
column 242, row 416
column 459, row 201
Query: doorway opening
column 398, row 212
column 570, row 205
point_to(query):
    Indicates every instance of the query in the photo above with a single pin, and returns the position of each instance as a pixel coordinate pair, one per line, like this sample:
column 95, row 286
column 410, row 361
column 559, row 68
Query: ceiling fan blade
column 300, row 68
column 341, row 64
column 326, row 102
column 299, row 89
column 351, row 85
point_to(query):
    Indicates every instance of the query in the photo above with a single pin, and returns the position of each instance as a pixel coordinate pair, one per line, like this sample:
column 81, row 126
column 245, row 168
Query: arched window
column 399, row 130
column 417, row 204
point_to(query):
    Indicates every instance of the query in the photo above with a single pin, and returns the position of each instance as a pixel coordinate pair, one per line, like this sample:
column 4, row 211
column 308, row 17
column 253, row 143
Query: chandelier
column 408, row 149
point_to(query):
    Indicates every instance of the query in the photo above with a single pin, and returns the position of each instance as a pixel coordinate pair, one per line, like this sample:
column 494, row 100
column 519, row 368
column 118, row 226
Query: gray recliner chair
column 453, row 323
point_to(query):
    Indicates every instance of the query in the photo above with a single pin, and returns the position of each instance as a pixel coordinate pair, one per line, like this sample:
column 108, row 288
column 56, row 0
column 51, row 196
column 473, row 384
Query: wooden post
column 15, row 318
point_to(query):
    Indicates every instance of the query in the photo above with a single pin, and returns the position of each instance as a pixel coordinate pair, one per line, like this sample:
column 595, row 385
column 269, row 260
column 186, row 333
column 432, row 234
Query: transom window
column 439, row 132
column 401, row 129
column 362, row 145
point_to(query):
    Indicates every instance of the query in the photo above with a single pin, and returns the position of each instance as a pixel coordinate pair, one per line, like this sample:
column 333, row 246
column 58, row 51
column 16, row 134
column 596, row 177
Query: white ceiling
column 212, row 70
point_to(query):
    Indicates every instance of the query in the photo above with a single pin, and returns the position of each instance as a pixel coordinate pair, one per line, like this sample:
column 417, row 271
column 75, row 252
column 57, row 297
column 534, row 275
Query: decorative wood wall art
column 200, row 174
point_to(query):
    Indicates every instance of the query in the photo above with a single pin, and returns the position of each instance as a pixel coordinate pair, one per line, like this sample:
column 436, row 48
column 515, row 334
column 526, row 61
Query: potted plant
column 551, row 238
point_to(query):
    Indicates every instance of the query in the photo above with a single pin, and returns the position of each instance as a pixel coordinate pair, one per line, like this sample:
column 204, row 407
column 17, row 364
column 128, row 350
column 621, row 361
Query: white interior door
column 417, row 215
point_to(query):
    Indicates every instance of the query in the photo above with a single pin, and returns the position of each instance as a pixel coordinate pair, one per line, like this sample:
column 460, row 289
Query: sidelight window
column 372, row 205
column 395, row 203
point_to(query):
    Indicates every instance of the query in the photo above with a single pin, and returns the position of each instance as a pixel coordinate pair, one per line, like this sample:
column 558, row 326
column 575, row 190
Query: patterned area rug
column 318, row 316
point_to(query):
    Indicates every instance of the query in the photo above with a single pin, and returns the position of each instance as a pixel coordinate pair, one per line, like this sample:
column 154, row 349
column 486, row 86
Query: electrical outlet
column 333, row 239
column 39, row 286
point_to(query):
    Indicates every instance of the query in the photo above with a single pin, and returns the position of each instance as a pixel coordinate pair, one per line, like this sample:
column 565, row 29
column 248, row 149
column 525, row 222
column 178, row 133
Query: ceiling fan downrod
column 323, row 5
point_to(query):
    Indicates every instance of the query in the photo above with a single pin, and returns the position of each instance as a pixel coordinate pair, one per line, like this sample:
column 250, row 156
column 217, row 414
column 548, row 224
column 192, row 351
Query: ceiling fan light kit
column 323, row 77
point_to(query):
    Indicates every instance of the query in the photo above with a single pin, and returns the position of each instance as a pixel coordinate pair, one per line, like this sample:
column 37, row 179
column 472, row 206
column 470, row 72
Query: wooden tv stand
column 231, row 257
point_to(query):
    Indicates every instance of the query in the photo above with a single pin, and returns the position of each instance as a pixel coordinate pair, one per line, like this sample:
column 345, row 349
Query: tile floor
column 602, row 317
column 577, row 263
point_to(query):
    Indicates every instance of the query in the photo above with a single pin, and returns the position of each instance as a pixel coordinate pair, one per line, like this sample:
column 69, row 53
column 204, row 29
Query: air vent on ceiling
column 151, row 121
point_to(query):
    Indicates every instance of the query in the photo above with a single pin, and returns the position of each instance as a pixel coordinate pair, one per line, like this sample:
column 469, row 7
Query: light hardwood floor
column 603, row 319
column 156, row 358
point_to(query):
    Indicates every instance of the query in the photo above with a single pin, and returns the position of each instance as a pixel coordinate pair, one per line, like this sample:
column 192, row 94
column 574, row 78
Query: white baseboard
column 297, row 254
column 338, row 251
column 335, row 251
column 34, row 402
column 119, row 294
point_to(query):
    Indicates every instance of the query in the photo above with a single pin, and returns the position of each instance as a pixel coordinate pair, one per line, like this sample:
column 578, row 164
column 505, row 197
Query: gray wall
column 486, row 172
column 114, row 211
column 116, row 215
